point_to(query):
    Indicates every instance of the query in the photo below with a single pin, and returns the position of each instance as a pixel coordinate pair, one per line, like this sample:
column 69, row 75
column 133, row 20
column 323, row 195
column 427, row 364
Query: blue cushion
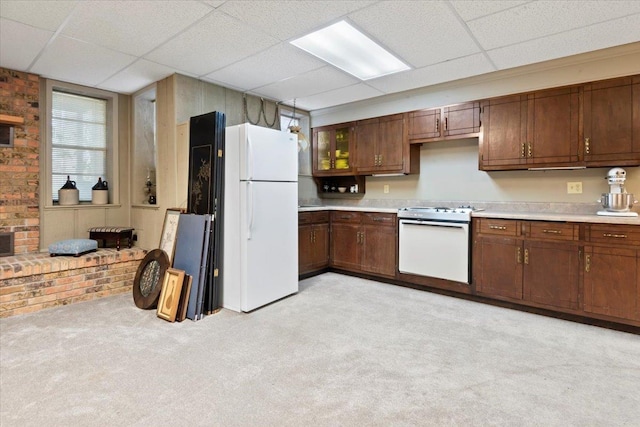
column 75, row 247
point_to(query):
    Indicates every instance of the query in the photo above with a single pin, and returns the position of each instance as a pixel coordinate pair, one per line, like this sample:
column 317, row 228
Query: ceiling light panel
column 344, row 47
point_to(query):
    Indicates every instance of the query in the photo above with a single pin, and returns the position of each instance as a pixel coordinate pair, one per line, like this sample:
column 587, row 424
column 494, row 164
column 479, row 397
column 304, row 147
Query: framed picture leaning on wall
column 169, row 229
column 170, row 294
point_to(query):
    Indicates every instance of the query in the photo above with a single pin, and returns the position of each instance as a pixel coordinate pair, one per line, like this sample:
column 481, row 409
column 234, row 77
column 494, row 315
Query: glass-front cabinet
column 333, row 150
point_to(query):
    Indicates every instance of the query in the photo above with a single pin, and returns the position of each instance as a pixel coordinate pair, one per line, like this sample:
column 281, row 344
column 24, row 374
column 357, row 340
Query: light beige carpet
column 343, row 351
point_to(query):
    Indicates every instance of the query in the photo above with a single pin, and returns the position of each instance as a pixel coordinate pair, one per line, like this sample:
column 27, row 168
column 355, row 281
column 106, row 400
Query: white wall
column 449, row 171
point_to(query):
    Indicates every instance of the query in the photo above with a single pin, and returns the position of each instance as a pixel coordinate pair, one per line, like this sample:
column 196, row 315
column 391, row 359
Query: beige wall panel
column 148, row 226
column 90, row 217
column 182, row 161
column 213, row 98
column 233, row 108
column 189, row 97
column 57, row 224
column 119, row 217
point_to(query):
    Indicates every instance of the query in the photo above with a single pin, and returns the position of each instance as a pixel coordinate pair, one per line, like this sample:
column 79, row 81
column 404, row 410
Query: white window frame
column 112, row 140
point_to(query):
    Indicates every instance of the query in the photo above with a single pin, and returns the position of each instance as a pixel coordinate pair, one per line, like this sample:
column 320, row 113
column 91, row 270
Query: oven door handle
column 435, row 223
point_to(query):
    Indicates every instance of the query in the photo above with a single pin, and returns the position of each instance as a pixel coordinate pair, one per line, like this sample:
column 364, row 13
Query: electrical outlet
column 574, row 187
column 385, row 189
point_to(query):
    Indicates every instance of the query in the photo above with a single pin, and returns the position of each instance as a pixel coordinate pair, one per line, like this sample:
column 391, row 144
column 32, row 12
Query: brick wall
column 19, row 165
column 34, row 282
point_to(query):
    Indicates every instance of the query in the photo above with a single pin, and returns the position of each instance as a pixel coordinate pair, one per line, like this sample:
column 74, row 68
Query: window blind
column 78, row 142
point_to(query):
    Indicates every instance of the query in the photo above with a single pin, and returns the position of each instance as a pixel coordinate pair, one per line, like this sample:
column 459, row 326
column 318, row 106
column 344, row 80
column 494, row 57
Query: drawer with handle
column 313, row 217
column 381, row 219
column 502, row 227
column 624, row 235
column 553, row 230
column 346, row 216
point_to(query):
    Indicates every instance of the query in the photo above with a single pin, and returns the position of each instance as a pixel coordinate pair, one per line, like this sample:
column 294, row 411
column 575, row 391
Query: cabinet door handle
column 526, row 256
column 446, row 123
column 587, row 141
column 529, row 150
column 587, row 263
column 497, row 227
column 522, row 150
column 345, row 217
column 518, row 256
column 552, row 231
column 314, row 236
column 437, row 125
column 379, row 159
column 615, row 236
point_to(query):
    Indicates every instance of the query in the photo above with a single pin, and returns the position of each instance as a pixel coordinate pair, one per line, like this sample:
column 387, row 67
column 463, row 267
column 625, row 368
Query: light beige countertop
column 546, row 216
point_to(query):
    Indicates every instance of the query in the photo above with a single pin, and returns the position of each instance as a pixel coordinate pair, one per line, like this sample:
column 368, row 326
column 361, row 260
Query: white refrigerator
column 260, row 217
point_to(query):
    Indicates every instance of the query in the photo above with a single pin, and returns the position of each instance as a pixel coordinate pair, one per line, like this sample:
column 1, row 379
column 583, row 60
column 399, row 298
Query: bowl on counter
column 617, row 202
column 342, row 189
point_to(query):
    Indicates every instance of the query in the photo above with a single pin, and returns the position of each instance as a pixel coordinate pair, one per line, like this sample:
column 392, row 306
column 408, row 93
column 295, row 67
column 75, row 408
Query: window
column 78, row 142
column 81, row 140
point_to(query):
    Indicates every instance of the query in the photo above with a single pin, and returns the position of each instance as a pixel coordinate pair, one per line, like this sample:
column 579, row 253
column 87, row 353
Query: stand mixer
column 617, row 202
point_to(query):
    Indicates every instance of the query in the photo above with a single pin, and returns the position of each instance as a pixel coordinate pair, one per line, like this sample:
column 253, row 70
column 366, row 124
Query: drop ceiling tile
column 285, row 20
column 543, row 18
column 598, row 36
column 48, row 15
column 455, row 69
column 136, row 76
column 214, row 3
column 434, row 32
column 469, row 10
column 340, row 96
column 274, row 64
column 133, row 27
column 311, row 83
column 31, row 41
column 215, row 42
column 78, row 62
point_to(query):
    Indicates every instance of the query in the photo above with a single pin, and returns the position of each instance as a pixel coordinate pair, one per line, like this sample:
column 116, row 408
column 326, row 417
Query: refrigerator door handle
column 250, row 208
column 249, row 162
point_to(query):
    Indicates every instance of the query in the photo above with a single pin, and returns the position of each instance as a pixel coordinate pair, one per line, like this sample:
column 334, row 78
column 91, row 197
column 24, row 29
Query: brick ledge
column 13, row 267
column 33, row 282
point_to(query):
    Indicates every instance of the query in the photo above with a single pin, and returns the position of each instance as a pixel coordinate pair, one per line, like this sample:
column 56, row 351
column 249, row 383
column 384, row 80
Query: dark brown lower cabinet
column 612, row 282
column 378, row 250
column 551, row 273
column 364, row 242
column 345, row 246
column 313, row 241
column 498, row 265
column 587, row 269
